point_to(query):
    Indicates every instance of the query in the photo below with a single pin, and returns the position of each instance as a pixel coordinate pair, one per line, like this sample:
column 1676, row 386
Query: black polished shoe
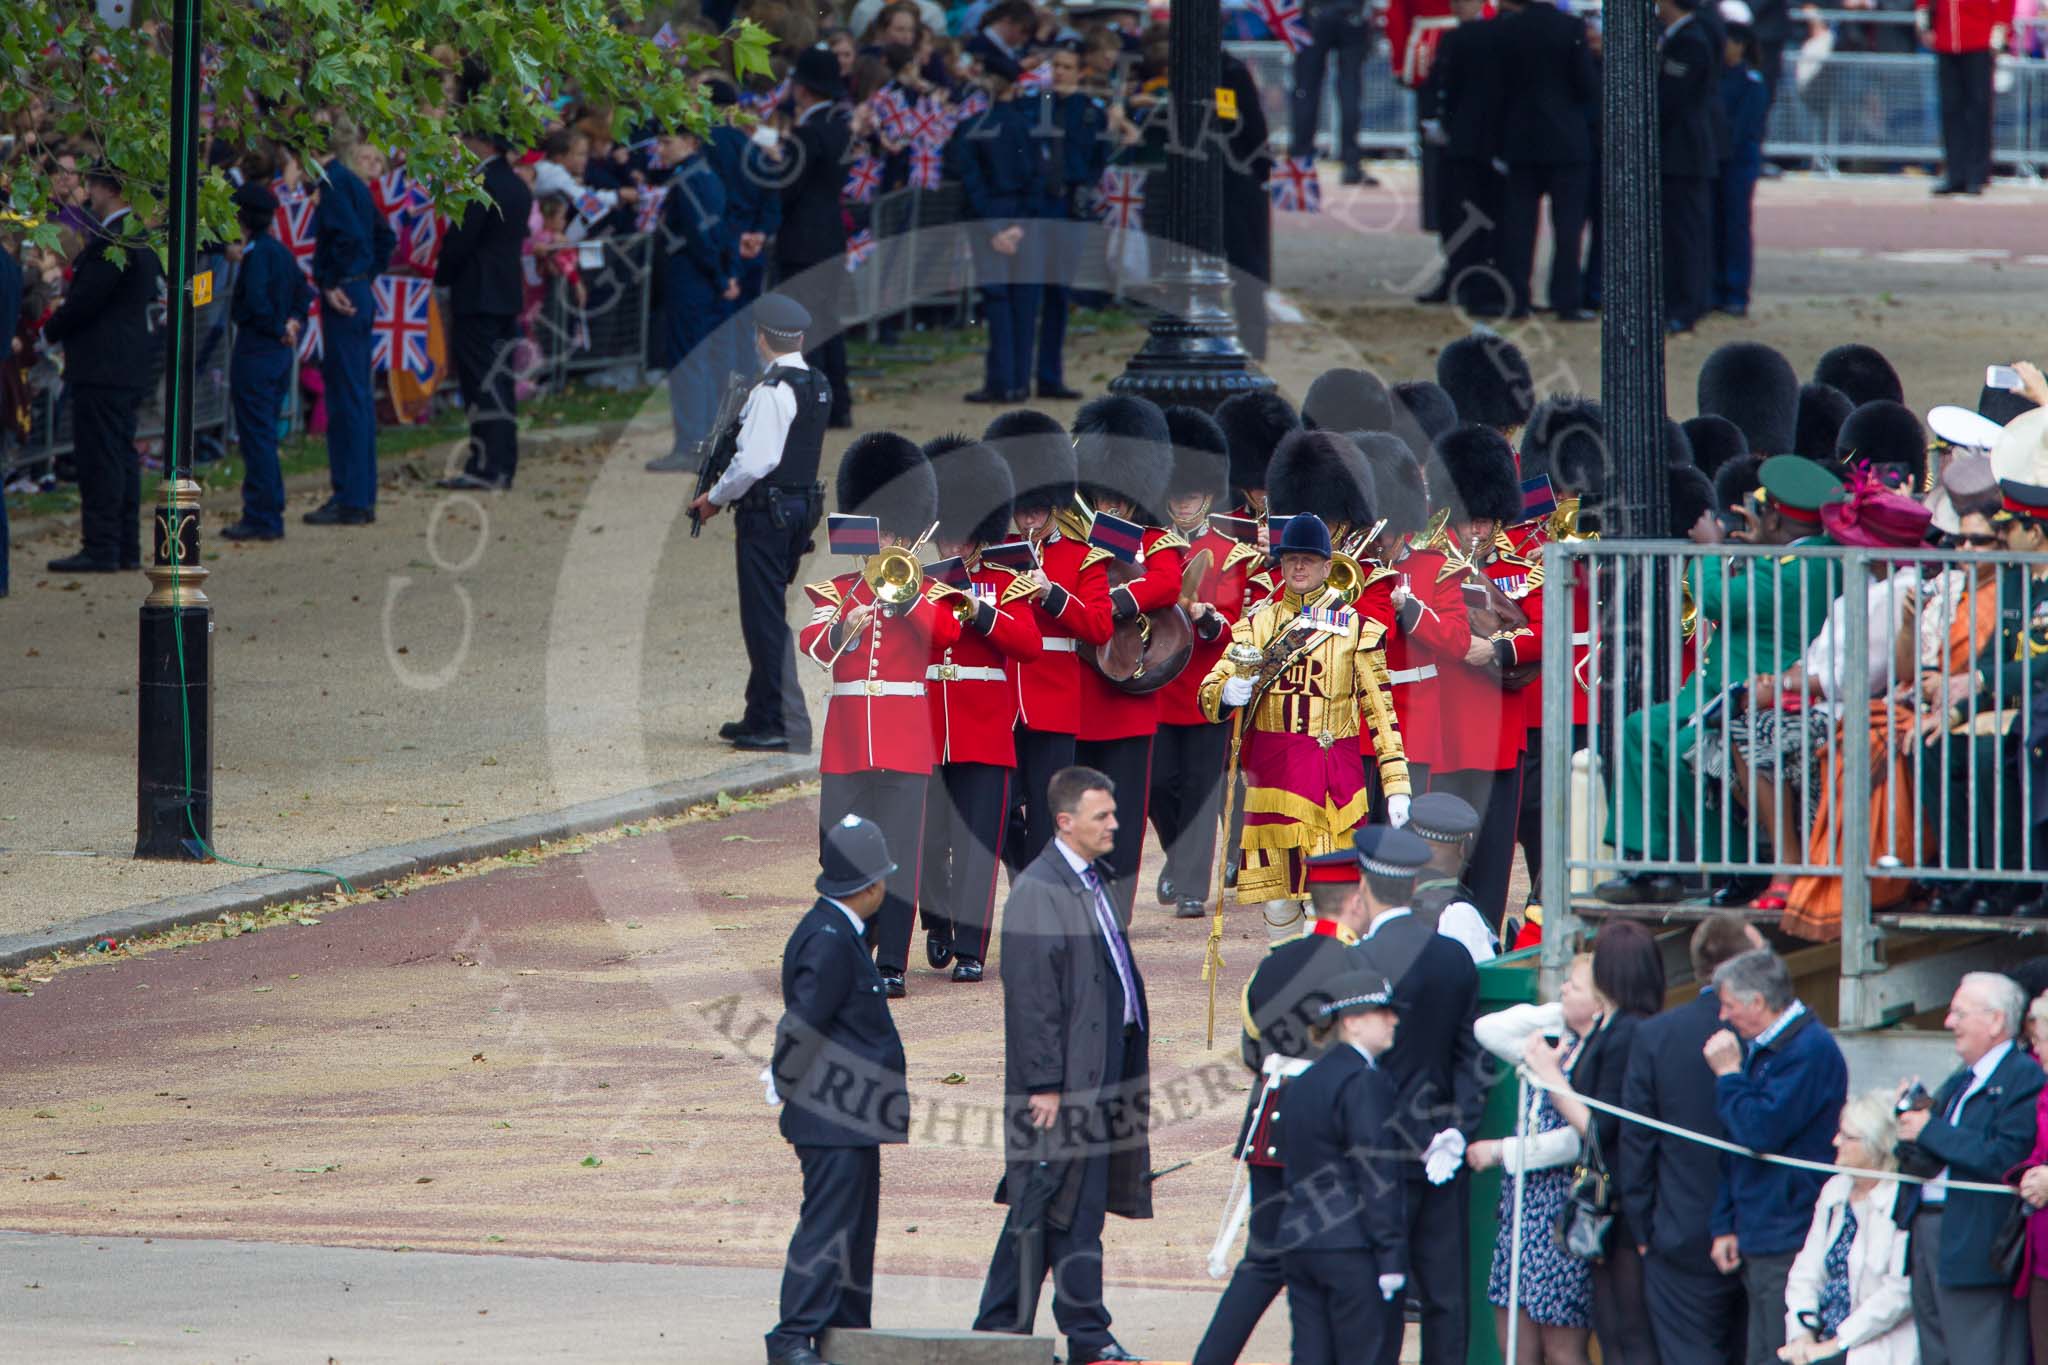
column 1441, row 293
column 1058, row 392
column 1641, row 888
column 1190, row 908
column 798, row 1355
column 467, row 482
column 1953, row 898
column 1111, row 1351
column 986, row 395
column 732, row 729
column 82, row 563
column 243, row 530
column 967, row 969
column 1678, row 328
column 1164, row 889
column 938, row 948
column 842, row 423
column 1735, row 892
column 761, row 743
column 1947, row 188
column 334, row 514
column 1573, row 315
column 892, row 985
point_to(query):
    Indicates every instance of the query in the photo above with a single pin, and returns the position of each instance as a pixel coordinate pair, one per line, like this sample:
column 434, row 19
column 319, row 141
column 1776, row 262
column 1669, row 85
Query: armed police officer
column 765, row 466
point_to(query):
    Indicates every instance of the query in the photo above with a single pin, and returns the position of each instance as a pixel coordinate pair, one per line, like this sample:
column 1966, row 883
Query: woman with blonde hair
column 1849, row 1294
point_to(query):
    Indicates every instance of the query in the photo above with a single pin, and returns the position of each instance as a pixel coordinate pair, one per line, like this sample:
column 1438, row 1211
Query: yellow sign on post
column 1226, row 102
column 202, row 289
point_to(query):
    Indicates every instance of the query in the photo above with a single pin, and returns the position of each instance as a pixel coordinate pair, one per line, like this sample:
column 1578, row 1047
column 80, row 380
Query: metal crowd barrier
column 1876, row 110
column 1905, row 767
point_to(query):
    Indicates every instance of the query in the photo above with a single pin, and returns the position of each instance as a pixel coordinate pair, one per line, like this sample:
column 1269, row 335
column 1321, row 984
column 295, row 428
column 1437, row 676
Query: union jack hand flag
column 665, row 38
column 859, row 247
column 1035, row 81
column 309, row 339
column 754, row 103
column 891, row 115
column 1120, row 197
column 648, row 213
column 295, row 229
column 1294, row 186
column 927, row 167
column 974, row 105
column 419, row 241
column 1285, row 21
column 928, row 123
column 398, row 332
column 863, row 178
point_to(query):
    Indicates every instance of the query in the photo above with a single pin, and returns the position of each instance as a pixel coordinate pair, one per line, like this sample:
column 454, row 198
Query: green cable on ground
column 182, row 322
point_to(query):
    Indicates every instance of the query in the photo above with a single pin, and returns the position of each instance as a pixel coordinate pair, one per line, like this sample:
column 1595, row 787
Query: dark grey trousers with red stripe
column 966, row 817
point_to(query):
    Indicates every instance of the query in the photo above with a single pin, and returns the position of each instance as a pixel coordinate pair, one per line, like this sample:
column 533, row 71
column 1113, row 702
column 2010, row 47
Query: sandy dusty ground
column 467, row 660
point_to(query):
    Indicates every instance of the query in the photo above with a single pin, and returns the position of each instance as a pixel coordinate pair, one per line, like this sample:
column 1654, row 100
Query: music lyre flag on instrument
column 952, row 572
column 1276, row 527
column 1123, row 539
column 1017, row 556
column 1538, row 498
column 855, row 537
column 1243, row 530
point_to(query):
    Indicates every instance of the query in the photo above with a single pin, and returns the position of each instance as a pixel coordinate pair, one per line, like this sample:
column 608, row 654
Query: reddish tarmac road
column 550, row 1059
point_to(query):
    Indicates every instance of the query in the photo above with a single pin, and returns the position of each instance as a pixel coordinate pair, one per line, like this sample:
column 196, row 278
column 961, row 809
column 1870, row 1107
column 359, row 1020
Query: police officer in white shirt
column 772, row 486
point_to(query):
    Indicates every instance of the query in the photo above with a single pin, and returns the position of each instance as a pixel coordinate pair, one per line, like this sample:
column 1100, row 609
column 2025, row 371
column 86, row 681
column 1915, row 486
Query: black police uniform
column 1436, row 1067
column 839, row 1068
column 480, row 266
column 811, row 243
column 1548, row 148
column 1281, row 1001
column 1466, row 84
column 1433, row 897
column 1343, row 1225
column 772, row 524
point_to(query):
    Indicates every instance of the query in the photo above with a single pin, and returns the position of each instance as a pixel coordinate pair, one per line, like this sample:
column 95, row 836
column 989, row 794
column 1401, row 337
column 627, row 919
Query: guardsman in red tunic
column 876, row 761
column 1472, row 476
column 1124, row 458
column 973, row 690
column 1189, row 751
column 1072, row 612
column 1253, row 425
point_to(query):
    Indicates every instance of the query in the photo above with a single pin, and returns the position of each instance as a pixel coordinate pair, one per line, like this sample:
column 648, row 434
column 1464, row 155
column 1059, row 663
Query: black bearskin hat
column 1677, row 449
column 1822, row 410
column 1422, row 412
column 1488, row 379
column 1861, row 373
column 886, row 476
column 1473, row 473
column 1691, row 496
column 1323, row 473
column 1885, row 433
column 1254, row 423
column 1736, row 479
column 1756, row 388
column 1567, row 439
column 1123, row 450
column 1039, row 453
column 1714, row 441
column 1201, row 456
column 1399, row 494
column 975, row 489
column 1347, row 400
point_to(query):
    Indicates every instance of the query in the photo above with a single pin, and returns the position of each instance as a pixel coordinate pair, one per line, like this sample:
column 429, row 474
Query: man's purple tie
column 1119, row 952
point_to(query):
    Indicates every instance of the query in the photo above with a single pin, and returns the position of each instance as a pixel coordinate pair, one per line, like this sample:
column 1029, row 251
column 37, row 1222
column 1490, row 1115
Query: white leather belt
column 1285, row 1067
column 1058, row 644
column 875, row 687
column 1412, row 675
column 963, row 673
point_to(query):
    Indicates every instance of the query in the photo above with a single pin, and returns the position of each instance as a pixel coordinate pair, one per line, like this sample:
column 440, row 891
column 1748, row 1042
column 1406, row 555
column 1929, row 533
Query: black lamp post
column 1632, row 314
column 1191, row 354
column 174, row 701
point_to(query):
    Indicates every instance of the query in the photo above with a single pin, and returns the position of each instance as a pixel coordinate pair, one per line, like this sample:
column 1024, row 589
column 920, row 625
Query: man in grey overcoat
column 1076, row 1089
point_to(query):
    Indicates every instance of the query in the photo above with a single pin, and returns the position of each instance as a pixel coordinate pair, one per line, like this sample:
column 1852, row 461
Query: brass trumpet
column 894, row 575
column 1564, row 522
column 1347, row 577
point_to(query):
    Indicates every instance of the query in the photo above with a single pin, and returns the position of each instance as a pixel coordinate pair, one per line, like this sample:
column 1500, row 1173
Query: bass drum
column 1146, row 652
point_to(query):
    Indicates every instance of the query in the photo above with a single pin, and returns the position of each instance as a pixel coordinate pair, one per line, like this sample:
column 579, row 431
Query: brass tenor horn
column 894, row 575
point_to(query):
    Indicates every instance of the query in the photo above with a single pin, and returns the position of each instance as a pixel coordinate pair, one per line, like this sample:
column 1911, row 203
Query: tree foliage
column 410, row 75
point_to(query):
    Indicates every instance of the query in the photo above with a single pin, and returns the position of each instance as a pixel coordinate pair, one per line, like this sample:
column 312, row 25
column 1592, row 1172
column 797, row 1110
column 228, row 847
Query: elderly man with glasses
column 1978, row 1126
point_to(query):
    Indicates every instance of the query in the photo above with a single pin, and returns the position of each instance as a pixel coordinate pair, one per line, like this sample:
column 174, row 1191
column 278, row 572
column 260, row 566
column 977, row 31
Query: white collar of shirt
column 1074, row 860
column 116, row 216
column 1980, row 1074
column 793, row 361
column 1370, row 1064
column 860, row 926
column 1399, row 912
column 1780, row 1024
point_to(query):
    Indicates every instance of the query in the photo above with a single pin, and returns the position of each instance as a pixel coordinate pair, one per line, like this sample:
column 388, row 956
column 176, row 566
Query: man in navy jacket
column 1669, row 1186
column 1779, row 1085
column 351, row 244
column 270, row 303
column 1979, row 1127
column 838, row 1064
column 103, row 326
column 1010, row 176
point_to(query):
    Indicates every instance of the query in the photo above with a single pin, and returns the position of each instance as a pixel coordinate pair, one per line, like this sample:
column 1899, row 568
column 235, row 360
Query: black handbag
column 1586, row 1222
column 2009, row 1247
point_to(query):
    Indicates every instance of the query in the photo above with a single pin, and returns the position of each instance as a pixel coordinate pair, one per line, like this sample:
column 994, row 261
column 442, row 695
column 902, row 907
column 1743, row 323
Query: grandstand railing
column 1917, row 768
